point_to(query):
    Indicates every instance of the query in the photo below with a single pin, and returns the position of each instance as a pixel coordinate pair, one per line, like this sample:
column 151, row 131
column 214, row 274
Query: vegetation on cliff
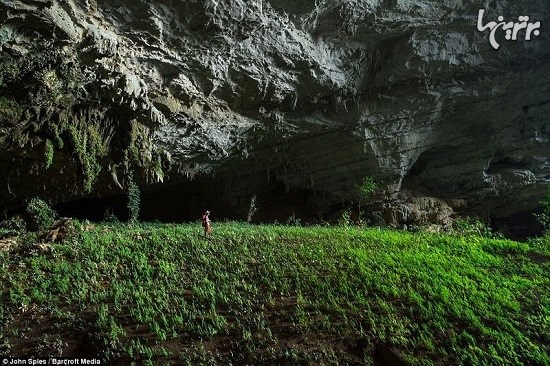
column 48, row 100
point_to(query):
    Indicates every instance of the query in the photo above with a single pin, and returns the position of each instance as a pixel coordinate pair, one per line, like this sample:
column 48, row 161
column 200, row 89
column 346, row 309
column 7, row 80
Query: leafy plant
column 544, row 216
column 472, row 225
column 13, row 224
column 252, row 209
column 41, row 215
column 9, row 109
column 367, row 187
column 293, row 220
column 48, row 153
column 345, row 218
column 109, row 216
column 91, row 138
column 134, row 199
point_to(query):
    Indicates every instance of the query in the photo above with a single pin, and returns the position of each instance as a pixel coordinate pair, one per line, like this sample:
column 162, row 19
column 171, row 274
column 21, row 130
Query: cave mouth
column 185, row 202
column 520, row 226
column 228, row 199
column 174, row 205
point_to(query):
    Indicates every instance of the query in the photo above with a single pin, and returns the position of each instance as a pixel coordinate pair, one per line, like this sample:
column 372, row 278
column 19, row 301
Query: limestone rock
column 314, row 95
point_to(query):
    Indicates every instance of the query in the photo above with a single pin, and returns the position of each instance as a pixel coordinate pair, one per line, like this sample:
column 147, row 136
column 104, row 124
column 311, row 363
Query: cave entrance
column 520, row 226
column 185, row 202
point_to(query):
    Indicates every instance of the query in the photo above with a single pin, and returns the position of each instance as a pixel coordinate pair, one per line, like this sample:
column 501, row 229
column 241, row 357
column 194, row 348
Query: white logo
column 512, row 28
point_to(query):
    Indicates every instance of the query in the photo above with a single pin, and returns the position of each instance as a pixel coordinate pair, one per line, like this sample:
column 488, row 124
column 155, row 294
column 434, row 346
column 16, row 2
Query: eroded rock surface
column 313, row 95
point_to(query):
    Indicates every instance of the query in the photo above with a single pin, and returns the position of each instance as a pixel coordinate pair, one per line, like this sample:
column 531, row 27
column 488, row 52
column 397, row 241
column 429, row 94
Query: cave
column 520, row 226
column 185, row 202
column 352, row 155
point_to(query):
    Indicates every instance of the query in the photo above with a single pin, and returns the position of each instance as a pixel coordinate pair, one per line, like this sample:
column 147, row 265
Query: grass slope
column 162, row 294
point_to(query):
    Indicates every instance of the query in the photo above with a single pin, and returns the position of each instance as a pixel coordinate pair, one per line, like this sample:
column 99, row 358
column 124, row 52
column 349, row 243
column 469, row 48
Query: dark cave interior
column 175, row 204
column 185, row 203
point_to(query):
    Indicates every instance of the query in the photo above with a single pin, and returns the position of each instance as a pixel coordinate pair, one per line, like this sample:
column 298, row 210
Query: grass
column 163, row 294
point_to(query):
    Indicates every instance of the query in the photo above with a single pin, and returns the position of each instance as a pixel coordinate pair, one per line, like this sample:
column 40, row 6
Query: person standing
column 206, row 224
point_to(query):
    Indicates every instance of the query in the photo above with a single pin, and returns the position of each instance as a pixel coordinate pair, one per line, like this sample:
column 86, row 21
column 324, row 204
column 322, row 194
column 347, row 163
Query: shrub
column 109, row 216
column 544, row 216
column 9, row 109
column 252, row 209
column 133, row 199
column 345, row 218
column 293, row 220
column 367, row 187
column 471, row 225
column 41, row 215
column 13, row 224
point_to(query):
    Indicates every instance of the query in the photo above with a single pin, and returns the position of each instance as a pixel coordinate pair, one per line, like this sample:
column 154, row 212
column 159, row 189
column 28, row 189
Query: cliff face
column 251, row 95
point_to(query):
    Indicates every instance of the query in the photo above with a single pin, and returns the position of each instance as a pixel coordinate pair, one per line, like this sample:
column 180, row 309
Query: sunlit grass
column 156, row 293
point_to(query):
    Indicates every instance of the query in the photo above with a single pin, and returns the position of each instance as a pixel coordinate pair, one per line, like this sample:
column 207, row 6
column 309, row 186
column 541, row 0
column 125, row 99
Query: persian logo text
column 513, row 29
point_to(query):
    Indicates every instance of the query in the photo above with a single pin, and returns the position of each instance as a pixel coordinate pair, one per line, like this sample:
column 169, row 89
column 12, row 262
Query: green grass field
column 162, row 294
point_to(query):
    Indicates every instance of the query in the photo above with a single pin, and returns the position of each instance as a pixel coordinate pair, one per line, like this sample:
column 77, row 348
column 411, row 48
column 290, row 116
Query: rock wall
column 249, row 95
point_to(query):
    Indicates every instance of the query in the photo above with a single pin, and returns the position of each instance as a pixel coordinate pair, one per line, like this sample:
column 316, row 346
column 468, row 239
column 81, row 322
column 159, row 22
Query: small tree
column 40, row 214
column 544, row 216
column 345, row 218
column 252, row 209
column 133, row 199
column 366, row 189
